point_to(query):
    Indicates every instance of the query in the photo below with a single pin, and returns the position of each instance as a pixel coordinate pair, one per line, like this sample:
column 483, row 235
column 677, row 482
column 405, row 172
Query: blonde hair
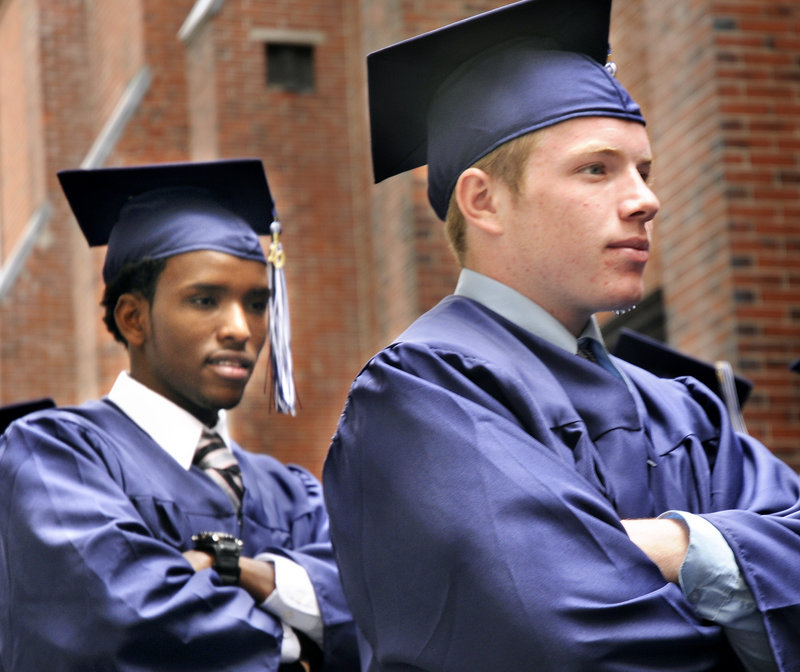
column 505, row 163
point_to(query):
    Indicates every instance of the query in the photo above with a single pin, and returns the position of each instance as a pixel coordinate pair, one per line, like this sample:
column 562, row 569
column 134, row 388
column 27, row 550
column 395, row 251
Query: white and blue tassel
column 280, row 335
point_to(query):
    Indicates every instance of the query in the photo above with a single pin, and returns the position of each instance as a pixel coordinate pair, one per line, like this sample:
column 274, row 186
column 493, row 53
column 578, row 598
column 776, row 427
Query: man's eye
column 594, row 169
column 203, row 301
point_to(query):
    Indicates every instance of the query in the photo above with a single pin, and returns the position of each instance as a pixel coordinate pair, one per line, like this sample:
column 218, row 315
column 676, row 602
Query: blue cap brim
column 20, row 409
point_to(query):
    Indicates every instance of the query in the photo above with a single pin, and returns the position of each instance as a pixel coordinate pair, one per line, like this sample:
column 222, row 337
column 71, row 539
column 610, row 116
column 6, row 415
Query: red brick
column 721, row 99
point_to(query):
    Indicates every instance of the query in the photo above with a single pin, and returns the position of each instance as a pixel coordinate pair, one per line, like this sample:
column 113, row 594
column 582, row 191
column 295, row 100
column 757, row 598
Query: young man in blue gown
column 119, row 548
column 503, row 494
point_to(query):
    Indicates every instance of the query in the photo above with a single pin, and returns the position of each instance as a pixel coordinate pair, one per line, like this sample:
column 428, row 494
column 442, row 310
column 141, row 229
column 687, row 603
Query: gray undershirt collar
column 520, row 310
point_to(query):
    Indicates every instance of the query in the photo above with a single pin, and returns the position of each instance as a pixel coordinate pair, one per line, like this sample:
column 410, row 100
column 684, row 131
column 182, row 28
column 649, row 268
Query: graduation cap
column 158, row 211
column 666, row 362
column 161, row 210
column 17, row 410
column 795, row 366
column 451, row 96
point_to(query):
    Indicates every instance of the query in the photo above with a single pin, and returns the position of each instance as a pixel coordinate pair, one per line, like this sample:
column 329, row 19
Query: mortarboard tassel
column 727, row 385
column 280, row 337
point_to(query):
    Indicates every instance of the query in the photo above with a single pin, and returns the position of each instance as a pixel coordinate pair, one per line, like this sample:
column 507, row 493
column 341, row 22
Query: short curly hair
column 136, row 278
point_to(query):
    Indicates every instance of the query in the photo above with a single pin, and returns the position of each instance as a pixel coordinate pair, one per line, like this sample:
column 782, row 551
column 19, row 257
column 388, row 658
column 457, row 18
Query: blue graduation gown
column 94, row 518
column 476, row 484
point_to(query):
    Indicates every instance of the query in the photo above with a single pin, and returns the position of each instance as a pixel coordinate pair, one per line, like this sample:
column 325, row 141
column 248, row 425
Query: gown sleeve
column 467, row 542
column 756, row 507
column 89, row 584
column 310, row 547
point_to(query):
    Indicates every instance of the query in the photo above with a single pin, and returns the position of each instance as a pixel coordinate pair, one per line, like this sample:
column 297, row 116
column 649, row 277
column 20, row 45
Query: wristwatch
column 226, row 550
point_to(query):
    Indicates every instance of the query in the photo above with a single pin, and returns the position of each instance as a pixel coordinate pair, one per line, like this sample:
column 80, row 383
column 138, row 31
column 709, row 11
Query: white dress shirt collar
column 171, row 427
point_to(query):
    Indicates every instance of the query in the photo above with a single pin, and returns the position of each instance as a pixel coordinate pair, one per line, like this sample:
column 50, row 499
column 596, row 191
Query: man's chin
column 229, row 402
column 628, row 300
column 226, row 398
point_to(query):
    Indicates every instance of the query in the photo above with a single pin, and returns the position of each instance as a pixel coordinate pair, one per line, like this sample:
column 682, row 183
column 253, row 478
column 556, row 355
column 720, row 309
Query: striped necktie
column 217, row 460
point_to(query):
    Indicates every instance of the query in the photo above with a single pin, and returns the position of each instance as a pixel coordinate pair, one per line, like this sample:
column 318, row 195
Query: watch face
column 207, row 538
column 226, row 549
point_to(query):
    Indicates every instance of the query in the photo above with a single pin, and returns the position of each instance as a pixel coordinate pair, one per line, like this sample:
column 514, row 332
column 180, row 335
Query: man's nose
column 234, row 324
column 642, row 202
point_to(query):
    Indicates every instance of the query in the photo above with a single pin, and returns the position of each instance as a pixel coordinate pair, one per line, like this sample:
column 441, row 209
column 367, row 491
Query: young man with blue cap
column 135, row 534
column 503, row 494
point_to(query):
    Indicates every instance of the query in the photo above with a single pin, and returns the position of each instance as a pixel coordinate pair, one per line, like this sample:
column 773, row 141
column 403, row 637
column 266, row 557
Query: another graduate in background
column 497, row 501
column 122, row 546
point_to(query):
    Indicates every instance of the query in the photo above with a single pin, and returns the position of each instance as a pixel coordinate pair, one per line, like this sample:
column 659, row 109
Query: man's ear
column 476, row 193
column 132, row 314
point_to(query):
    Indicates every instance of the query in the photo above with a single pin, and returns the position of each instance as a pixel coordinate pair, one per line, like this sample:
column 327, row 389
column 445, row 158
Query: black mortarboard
column 157, row 211
column 795, row 366
column 666, row 362
column 15, row 411
column 450, row 96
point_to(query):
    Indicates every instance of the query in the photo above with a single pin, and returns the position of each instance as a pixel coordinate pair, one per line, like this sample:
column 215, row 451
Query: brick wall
column 37, row 349
column 415, row 267
column 718, row 81
column 304, row 142
column 758, row 70
column 21, row 143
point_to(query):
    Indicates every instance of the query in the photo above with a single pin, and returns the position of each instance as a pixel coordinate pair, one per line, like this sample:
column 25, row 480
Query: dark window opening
column 290, row 67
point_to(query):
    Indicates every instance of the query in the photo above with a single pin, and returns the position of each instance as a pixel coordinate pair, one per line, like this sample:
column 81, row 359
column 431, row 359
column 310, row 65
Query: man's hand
column 257, row 578
column 664, row 540
column 199, row 560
